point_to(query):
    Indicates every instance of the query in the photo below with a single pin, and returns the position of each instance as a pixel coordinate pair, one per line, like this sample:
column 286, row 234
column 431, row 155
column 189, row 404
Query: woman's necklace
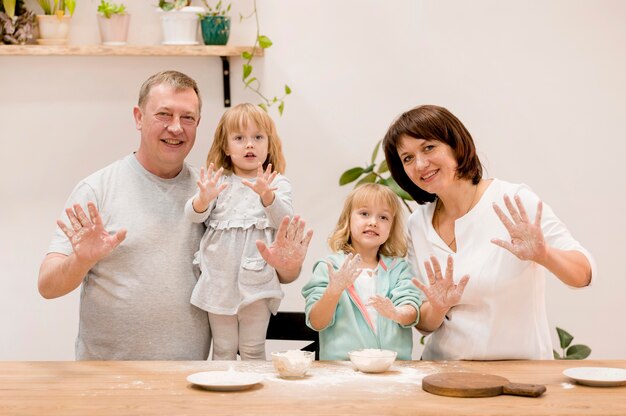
column 437, row 214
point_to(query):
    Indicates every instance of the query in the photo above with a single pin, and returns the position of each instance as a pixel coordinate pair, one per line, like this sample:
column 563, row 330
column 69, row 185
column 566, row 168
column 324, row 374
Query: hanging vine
column 250, row 81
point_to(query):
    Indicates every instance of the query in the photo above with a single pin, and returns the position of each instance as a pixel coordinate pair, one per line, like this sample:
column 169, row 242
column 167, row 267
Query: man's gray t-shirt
column 134, row 303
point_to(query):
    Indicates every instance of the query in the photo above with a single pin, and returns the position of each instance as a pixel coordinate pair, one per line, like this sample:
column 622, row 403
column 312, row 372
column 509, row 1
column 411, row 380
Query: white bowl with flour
column 372, row 360
column 292, row 363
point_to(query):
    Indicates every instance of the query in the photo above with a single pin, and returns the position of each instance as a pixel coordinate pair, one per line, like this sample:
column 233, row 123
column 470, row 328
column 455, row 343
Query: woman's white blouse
column 502, row 314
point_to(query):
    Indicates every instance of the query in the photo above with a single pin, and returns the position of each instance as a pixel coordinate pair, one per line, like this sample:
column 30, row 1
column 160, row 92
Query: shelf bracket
column 226, row 80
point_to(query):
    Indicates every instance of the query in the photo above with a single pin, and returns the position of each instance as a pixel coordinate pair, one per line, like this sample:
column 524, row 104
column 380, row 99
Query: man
column 133, row 252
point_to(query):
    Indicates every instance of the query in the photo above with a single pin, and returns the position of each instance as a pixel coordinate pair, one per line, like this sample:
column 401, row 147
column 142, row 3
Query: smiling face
column 247, row 147
column 370, row 225
column 168, row 122
column 430, row 164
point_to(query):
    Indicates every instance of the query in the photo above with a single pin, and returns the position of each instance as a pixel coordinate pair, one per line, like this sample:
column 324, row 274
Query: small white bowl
column 372, row 360
column 292, row 363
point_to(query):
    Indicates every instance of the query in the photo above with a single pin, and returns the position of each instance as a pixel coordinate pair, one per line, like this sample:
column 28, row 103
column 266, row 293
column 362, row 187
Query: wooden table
column 332, row 388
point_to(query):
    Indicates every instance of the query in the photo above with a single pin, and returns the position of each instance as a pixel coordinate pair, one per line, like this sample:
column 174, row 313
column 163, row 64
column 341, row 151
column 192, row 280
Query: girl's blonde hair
column 396, row 244
column 238, row 118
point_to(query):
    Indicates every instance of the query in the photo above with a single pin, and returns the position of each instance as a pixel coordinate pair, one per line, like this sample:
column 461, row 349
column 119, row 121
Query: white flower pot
column 53, row 30
column 180, row 27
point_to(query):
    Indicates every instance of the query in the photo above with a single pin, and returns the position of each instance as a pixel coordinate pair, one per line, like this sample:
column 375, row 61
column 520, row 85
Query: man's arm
column 60, row 274
column 287, row 252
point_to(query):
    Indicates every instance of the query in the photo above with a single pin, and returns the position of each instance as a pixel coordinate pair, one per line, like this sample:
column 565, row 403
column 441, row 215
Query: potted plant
column 54, row 24
column 180, row 22
column 17, row 24
column 215, row 24
column 113, row 22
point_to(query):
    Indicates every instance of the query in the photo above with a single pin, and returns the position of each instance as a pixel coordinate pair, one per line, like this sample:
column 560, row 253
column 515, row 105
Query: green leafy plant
column 166, row 5
column 375, row 172
column 58, row 7
column 252, row 82
column 570, row 352
column 109, row 9
column 218, row 10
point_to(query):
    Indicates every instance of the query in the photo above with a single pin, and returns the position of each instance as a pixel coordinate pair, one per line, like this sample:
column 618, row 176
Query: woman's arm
column 570, row 266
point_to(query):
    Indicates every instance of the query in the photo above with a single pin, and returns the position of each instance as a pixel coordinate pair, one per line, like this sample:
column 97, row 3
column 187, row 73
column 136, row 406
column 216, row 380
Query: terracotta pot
column 114, row 30
column 53, row 30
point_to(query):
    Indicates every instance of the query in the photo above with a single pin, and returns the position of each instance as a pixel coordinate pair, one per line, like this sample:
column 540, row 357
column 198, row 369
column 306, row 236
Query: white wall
column 541, row 86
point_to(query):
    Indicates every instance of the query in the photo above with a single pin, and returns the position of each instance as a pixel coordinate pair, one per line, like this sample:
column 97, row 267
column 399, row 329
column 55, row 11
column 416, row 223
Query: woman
column 501, row 313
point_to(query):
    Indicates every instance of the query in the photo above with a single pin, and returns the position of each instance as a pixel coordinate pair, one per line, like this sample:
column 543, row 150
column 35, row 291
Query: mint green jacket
column 349, row 329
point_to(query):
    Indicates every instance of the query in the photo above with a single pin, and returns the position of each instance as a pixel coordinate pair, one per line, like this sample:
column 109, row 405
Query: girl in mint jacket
column 362, row 296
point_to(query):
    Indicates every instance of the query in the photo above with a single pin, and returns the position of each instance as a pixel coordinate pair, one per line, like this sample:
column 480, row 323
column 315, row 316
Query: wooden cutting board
column 460, row 384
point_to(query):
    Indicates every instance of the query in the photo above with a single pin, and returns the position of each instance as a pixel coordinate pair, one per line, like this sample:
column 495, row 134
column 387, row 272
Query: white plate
column 597, row 376
column 225, row 380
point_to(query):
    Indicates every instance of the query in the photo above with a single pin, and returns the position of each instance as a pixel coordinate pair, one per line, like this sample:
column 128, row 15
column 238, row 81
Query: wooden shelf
column 224, row 52
column 127, row 50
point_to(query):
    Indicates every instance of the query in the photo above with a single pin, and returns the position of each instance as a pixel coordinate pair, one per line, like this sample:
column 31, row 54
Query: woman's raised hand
column 207, row 186
column 527, row 241
column 338, row 280
column 262, row 185
column 442, row 292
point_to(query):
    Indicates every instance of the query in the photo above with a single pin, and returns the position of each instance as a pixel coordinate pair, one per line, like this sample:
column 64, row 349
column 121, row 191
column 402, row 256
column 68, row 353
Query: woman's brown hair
column 430, row 122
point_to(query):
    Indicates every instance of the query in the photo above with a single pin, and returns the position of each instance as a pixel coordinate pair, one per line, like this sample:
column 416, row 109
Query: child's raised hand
column 385, row 307
column 208, row 188
column 442, row 293
column 262, row 185
column 339, row 280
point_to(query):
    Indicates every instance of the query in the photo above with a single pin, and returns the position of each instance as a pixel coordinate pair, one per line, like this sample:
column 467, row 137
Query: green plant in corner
column 253, row 82
column 109, row 9
column 58, row 7
column 375, row 172
column 570, row 352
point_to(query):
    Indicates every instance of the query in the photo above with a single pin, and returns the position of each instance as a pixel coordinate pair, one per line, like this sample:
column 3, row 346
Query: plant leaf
column 246, row 55
column 556, row 355
column 564, row 337
column 281, row 107
column 247, row 70
column 371, row 178
column 370, row 168
column 391, row 183
column 263, row 106
column 383, row 168
column 577, row 352
column 375, row 152
column 287, row 90
column 264, row 42
column 350, row 175
column 250, row 81
column 9, row 7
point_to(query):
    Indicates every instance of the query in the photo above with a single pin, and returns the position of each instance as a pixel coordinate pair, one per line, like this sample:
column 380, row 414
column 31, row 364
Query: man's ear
column 138, row 117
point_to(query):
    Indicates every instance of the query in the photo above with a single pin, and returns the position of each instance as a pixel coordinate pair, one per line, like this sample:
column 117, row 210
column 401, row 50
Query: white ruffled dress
column 233, row 273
